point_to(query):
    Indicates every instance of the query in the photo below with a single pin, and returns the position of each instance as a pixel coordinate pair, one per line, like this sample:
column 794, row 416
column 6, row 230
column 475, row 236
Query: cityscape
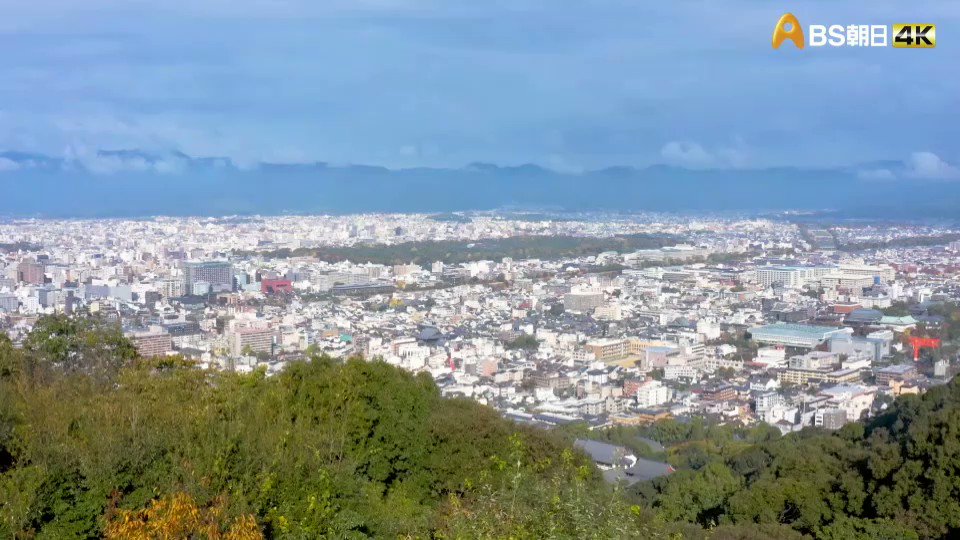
column 738, row 320
column 461, row 270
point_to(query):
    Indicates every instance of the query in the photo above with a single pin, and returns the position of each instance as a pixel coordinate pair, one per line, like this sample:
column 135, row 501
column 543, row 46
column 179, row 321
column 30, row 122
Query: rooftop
column 796, row 330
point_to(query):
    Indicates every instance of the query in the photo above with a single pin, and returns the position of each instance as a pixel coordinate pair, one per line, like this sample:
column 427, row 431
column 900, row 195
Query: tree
column 897, row 309
column 77, row 345
column 524, row 342
column 10, row 361
column 361, row 449
column 179, row 516
column 698, row 497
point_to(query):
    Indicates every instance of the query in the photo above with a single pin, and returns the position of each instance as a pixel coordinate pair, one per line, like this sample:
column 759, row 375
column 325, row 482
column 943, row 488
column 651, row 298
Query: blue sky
column 566, row 84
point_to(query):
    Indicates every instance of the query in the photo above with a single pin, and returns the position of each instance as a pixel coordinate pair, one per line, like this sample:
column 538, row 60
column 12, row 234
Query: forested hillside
column 895, row 477
column 96, row 442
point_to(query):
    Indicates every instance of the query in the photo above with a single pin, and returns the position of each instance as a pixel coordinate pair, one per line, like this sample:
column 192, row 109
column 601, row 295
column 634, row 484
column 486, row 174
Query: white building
column 653, row 393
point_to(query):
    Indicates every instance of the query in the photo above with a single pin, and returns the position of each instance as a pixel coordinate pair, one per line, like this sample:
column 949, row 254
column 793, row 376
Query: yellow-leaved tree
column 178, row 516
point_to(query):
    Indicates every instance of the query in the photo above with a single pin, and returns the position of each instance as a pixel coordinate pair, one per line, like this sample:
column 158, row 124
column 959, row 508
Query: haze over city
column 527, row 269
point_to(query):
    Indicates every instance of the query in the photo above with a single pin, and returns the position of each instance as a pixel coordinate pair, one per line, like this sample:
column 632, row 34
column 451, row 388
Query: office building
column 8, row 302
column 897, row 372
column 582, row 301
column 251, row 340
column 214, row 276
column 793, row 277
column 153, row 343
column 830, row 418
column 276, row 286
column 795, row 335
column 721, row 392
column 883, row 273
column 605, row 350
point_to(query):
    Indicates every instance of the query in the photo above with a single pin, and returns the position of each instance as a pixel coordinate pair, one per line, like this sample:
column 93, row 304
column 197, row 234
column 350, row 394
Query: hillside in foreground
column 96, row 442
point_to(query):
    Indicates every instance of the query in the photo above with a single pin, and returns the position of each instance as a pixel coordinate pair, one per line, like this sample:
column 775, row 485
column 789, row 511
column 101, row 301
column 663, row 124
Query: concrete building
column 766, row 402
column 817, row 366
column 884, row 272
column 609, row 312
column 152, row 343
column 582, row 301
column 940, row 368
column 30, row 271
column 795, row 335
column 255, row 340
column 875, row 345
column 720, row 392
column 899, row 372
column 605, row 350
column 846, row 281
column 793, row 277
column 853, row 399
column 216, row 275
column 9, row 302
column 652, row 394
column 830, row 418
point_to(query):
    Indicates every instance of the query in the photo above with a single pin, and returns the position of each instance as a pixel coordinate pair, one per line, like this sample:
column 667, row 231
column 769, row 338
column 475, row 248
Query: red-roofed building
column 272, row 286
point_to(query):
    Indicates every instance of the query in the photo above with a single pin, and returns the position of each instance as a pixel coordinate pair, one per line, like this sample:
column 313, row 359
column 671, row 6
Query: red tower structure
column 918, row 343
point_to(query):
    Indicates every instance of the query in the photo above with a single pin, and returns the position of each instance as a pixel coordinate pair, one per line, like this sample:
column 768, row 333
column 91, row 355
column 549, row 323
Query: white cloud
column 695, row 156
column 876, row 174
column 688, row 154
column 929, row 166
column 101, row 163
column 563, row 165
column 8, row 165
column 920, row 165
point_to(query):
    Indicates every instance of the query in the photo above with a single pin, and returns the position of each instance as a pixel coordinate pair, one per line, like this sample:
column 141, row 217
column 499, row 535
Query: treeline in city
column 459, row 251
column 97, row 442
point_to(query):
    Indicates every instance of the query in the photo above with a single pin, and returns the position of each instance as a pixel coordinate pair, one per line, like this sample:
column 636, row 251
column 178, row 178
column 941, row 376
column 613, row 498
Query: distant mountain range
column 126, row 183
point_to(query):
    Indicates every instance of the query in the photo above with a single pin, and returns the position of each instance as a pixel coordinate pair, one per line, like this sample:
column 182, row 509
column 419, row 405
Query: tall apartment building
column 9, row 302
column 30, row 271
column 218, row 274
column 831, row 418
column 258, row 340
column 652, row 394
column 582, row 301
column 793, row 277
column 171, row 288
column 153, row 343
column 610, row 312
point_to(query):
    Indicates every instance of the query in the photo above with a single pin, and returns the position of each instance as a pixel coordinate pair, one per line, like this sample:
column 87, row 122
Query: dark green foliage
column 902, row 242
column 525, row 342
column 896, row 477
column 457, row 251
column 897, row 309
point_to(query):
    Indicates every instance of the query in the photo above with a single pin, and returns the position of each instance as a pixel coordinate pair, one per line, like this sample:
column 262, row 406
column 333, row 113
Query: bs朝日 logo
column 905, row 36
column 788, row 28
